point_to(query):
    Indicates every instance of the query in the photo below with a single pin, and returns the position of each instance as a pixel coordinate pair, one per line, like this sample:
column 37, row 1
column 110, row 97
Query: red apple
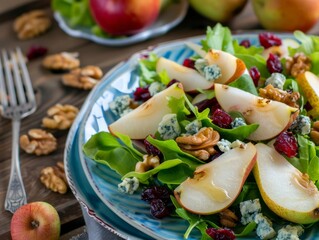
column 287, row 15
column 36, row 220
column 124, row 17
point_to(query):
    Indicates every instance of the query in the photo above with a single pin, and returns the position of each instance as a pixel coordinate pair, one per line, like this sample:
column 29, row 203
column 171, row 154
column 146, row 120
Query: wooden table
column 50, row 91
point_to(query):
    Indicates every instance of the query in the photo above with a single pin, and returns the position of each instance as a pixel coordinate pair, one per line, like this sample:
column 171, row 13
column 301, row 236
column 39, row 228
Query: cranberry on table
column 268, row 40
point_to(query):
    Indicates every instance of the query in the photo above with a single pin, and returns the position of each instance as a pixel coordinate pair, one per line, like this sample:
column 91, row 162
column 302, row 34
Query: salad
column 226, row 141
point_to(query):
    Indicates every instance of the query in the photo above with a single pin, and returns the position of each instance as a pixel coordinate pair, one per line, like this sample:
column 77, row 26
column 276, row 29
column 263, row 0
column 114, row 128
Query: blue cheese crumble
column 225, row 145
column 120, row 104
column 128, row 185
column 302, row 125
column 169, row 127
column 193, row 127
column 210, row 72
column 277, row 80
column 264, row 227
column 249, row 209
column 237, row 122
column 155, row 87
column 289, row 232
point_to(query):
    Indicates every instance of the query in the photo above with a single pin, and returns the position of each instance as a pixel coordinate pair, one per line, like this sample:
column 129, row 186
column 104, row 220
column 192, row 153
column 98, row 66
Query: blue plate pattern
column 94, row 117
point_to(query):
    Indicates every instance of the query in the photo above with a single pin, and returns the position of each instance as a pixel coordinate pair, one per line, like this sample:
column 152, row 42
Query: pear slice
column 190, row 78
column 309, row 83
column 231, row 69
column 273, row 117
column 231, row 66
column 216, row 185
column 144, row 120
column 286, row 191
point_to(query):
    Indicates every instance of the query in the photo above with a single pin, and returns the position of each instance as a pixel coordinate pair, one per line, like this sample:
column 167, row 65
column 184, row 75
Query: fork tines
column 15, row 84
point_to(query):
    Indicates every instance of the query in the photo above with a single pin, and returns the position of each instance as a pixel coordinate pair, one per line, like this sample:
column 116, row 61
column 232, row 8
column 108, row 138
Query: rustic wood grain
column 50, row 91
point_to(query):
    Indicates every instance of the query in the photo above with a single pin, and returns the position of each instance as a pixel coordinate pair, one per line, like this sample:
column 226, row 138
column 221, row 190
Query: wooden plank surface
column 50, row 91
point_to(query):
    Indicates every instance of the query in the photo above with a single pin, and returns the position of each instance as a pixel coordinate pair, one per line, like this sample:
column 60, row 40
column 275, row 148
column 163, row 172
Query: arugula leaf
column 255, row 61
column 145, row 176
column 106, row 149
column 171, row 150
column 245, row 83
column 252, row 50
column 218, row 38
column 175, row 175
column 232, row 134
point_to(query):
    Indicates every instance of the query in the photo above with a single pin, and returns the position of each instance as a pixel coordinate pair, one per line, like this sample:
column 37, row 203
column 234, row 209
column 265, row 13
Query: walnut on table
column 60, row 116
column 53, row 177
column 276, row 94
column 63, row 61
column 84, row 78
column 298, row 64
column 38, row 142
column 201, row 144
column 32, row 24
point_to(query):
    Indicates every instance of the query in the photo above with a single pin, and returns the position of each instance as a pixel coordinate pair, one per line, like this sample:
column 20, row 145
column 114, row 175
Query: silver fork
column 17, row 101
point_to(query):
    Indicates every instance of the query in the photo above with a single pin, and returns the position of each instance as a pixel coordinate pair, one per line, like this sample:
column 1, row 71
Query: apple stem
column 35, row 224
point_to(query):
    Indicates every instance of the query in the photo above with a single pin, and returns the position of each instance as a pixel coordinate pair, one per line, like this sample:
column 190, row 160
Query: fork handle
column 16, row 195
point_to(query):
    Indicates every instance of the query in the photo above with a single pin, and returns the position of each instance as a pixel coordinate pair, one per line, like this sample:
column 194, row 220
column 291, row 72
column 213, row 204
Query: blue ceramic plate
column 169, row 18
column 95, row 117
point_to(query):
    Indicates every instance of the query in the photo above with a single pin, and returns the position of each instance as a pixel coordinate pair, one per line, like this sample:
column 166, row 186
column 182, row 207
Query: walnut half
column 60, row 116
column 32, row 24
column 201, row 144
column 54, row 178
column 38, row 142
column 84, row 78
column 63, row 61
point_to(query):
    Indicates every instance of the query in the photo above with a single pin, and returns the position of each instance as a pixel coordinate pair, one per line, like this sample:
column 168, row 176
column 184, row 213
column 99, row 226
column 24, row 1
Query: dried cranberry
column 171, row 82
column 221, row 234
column 207, row 103
column 156, row 192
column 245, row 43
column 35, row 52
column 274, row 64
column 221, row 118
column 255, row 75
column 151, row 149
column 141, row 94
column 286, row 144
column 268, row 40
column 189, row 63
column 159, row 208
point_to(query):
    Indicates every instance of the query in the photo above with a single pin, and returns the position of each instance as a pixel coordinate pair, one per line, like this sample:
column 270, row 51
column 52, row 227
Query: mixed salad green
column 120, row 153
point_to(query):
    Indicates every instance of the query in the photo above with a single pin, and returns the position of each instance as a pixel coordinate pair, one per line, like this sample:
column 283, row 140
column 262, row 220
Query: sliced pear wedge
column 216, row 185
column 309, row 83
column 273, row 117
column 286, row 191
column 144, row 120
